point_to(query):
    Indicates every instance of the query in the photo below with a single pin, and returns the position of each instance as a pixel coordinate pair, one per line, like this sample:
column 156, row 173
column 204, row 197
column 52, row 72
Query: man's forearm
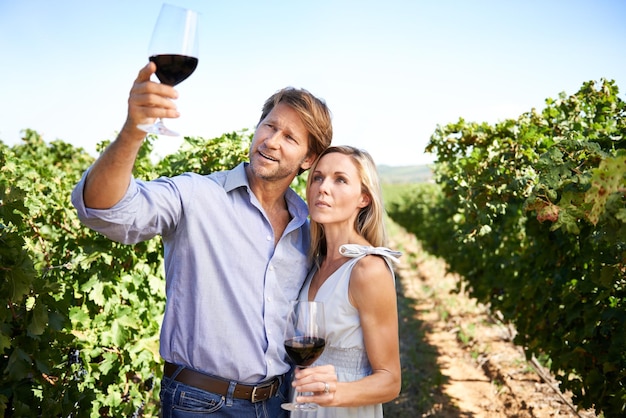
column 109, row 177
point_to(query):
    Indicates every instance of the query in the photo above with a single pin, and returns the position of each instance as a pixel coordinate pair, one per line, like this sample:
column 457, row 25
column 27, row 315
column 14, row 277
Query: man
column 235, row 249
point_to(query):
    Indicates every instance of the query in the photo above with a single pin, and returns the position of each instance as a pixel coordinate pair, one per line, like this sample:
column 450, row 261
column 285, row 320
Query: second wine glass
column 305, row 339
column 174, row 50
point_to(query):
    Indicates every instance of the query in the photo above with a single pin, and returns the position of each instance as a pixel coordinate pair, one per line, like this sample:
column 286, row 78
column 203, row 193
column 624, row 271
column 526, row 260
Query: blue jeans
column 182, row 401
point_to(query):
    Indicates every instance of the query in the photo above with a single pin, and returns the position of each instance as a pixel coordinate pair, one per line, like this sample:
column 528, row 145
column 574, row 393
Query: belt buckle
column 270, row 386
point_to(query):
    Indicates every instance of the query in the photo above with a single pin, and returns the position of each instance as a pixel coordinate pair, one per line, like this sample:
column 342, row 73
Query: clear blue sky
column 390, row 70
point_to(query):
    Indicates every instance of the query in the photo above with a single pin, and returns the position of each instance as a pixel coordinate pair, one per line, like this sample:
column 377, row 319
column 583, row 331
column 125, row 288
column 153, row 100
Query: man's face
column 280, row 145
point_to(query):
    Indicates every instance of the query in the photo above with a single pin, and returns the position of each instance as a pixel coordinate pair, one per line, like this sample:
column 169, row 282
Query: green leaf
column 19, row 364
column 5, row 342
column 39, row 319
column 96, row 294
column 78, row 316
column 609, row 178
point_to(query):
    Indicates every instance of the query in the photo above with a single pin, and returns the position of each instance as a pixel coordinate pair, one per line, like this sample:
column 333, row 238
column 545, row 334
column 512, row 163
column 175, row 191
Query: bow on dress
column 355, row 250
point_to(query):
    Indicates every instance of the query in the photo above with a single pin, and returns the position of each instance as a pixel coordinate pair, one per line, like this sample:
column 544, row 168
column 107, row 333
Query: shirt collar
column 237, row 178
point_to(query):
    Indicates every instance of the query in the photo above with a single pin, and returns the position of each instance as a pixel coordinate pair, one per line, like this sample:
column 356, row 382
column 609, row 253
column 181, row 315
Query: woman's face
column 334, row 194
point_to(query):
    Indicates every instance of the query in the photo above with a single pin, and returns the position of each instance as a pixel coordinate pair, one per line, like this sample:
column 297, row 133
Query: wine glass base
column 304, row 407
column 157, row 128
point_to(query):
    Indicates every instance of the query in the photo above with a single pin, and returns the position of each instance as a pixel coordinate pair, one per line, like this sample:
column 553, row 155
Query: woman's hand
column 320, row 382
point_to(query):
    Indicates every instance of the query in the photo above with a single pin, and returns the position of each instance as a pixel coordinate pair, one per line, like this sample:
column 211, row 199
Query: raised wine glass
column 304, row 340
column 174, row 50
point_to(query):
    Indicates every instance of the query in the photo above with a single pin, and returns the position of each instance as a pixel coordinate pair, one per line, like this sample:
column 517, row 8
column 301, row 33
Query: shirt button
column 269, row 238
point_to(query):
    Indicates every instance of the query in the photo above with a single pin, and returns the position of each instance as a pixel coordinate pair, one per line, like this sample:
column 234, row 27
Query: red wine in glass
column 174, row 50
column 173, row 68
column 304, row 350
column 305, row 340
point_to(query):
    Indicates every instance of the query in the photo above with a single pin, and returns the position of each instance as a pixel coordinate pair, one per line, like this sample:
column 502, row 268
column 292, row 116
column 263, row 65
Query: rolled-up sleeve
column 147, row 209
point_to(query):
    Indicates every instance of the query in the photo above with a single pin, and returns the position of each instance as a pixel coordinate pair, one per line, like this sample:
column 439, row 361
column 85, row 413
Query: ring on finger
column 326, row 388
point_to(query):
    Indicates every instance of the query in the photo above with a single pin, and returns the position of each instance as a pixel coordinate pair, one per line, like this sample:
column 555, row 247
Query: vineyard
column 80, row 335
column 530, row 212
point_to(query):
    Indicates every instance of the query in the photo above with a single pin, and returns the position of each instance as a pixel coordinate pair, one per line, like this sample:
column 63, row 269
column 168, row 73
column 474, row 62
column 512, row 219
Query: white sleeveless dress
column 345, row 348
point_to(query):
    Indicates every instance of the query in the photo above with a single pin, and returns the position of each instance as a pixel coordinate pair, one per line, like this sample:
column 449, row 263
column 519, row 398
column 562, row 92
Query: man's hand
column 149, row 100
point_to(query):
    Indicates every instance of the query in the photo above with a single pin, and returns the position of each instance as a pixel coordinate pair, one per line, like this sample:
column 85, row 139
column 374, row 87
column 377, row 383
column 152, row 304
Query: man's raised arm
column 109, row 177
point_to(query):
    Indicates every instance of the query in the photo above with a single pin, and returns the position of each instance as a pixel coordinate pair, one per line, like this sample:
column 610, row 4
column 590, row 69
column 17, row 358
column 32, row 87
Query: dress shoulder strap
column 355, row 250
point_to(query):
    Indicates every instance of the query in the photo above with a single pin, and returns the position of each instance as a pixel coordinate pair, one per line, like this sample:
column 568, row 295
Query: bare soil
column 458, row 359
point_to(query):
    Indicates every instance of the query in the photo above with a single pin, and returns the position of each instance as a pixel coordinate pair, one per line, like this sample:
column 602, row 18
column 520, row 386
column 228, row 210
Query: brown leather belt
column 212, row 384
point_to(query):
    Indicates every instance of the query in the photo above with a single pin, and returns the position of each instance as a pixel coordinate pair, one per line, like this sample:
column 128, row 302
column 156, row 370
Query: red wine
column 304, row 350
column 172, row 68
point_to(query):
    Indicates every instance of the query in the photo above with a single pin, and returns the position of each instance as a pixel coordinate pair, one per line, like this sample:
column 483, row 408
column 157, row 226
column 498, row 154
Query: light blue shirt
column 228, row 288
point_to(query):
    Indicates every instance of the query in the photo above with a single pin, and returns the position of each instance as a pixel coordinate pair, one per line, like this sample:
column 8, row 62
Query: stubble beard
column 276, row 173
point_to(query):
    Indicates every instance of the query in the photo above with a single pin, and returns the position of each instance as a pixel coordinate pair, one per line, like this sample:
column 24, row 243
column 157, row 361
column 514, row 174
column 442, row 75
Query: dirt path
column 457, row 360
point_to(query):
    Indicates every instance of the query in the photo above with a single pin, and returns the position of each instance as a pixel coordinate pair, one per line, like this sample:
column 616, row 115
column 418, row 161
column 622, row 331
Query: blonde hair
column 369, row 222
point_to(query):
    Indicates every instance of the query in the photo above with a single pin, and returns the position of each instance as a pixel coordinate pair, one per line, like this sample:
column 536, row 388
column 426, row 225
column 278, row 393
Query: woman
column 352, row 275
